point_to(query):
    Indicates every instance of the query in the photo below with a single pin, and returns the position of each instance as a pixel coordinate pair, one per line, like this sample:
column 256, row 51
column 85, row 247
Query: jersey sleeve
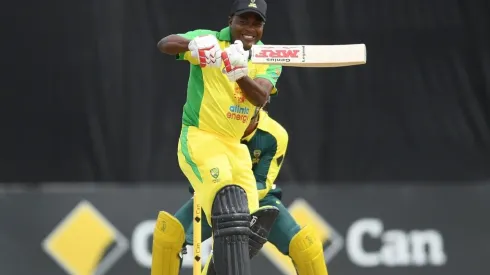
column 191, row 35
column 271, row 73
column 270, row 163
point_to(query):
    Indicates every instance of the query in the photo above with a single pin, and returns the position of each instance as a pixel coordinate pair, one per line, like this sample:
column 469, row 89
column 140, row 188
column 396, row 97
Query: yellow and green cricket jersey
column 267, row 145
column 214, row 104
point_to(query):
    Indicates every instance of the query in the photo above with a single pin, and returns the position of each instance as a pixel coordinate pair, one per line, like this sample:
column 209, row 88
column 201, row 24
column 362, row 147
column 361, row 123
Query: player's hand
column 235, row 61
column 207, row 50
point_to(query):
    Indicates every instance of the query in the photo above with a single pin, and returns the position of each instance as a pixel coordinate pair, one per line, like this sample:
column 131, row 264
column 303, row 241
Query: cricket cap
column 256, row 6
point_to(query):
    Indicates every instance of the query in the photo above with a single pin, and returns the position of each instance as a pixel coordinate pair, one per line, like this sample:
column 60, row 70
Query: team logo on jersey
column 215, row 174
column 256, row 156
column 239, row 94
column 238, row 113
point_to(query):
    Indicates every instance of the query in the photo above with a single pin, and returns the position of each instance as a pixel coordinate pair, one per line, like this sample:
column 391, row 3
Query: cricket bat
column 319, row 56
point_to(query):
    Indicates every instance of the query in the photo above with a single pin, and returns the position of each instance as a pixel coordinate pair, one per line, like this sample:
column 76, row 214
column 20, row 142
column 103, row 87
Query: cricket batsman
column 267, row 143
column 224, row 92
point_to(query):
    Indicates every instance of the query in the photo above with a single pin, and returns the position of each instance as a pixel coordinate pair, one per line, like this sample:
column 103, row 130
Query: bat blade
column 319, row 56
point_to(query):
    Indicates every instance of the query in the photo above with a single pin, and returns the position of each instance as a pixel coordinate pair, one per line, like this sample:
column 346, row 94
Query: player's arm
column 263, row 85
column 174, row 44
column 270, row 163
column 256, row 91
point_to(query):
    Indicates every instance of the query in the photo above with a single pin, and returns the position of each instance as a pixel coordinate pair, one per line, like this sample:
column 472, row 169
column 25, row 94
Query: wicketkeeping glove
column 207, row 50
column 235, row 61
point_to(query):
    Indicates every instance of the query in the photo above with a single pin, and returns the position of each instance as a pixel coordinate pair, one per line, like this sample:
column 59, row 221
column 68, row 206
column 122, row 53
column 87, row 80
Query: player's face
column 247, row 27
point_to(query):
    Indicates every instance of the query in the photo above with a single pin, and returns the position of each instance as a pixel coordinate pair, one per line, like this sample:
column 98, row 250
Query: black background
column 86, row 96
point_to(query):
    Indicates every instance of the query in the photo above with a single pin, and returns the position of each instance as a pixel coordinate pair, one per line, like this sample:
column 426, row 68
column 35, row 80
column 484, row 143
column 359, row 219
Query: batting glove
column 207, row 50
column 235, row 60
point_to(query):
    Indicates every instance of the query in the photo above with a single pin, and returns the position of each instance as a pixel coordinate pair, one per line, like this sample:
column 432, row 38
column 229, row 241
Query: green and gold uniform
column 215, row 116
column 211, row 154
column 267, row 146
